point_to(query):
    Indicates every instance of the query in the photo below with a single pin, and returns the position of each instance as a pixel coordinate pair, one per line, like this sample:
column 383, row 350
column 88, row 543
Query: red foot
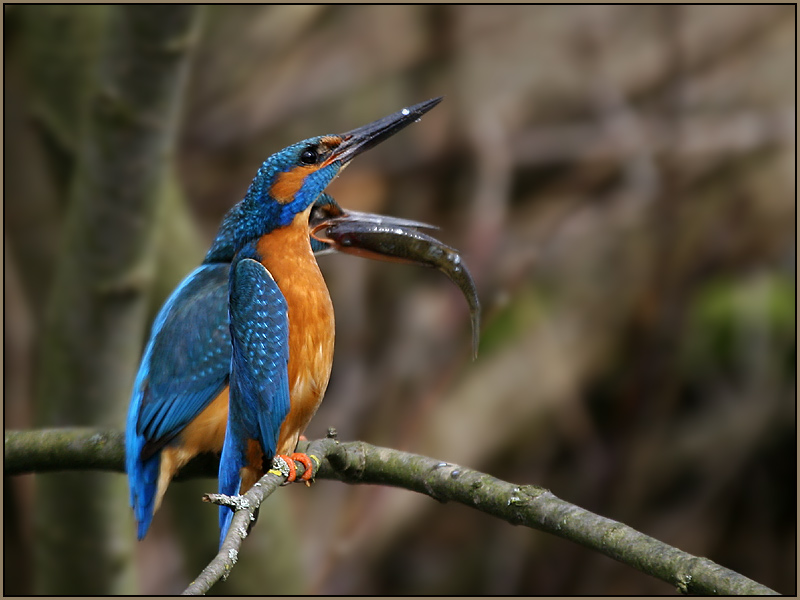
column 303, row 459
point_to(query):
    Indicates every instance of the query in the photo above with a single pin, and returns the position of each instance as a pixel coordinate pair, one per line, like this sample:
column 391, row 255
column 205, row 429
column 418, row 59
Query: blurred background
column 621, row 183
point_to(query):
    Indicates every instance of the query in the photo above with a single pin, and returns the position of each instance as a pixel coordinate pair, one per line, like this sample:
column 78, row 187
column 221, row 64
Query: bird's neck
column 232, row 229
column 286, row 251
column 246, row 222
column 287, row 255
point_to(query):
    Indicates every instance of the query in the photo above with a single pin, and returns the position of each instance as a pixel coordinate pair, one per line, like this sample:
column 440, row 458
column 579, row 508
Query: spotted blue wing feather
column 259, row 387
column 184, row 367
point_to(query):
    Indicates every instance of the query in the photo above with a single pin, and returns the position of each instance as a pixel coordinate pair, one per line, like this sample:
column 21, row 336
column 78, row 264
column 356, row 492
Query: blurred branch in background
column 621, row 181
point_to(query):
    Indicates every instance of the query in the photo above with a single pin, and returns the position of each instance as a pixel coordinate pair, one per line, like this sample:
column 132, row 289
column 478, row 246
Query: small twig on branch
column 245, row 509
column 357, row 462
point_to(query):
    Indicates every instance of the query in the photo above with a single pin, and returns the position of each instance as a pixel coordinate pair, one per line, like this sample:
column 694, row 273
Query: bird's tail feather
column 143, row 480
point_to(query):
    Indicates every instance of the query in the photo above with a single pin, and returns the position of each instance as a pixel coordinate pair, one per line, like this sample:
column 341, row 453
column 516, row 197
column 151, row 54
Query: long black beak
column 363, row 138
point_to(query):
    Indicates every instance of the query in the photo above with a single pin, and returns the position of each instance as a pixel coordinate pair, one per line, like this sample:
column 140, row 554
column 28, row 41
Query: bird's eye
column 309, row 156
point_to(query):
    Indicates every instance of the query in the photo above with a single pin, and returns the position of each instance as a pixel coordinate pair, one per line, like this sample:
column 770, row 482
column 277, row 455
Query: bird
column 186, row 366
column 223, row 370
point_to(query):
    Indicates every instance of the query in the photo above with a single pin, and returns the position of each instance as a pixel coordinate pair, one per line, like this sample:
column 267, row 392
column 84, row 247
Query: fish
column 399, row 240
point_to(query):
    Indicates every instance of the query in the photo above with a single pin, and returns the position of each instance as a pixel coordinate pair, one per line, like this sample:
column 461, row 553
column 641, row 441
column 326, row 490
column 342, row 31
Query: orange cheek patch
column 289, row 183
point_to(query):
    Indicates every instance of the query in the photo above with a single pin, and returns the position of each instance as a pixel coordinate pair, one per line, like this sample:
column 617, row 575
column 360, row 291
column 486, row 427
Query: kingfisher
column 240, row 354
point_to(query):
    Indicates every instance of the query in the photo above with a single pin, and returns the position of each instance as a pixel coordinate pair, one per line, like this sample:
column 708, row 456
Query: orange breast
column 287, row 255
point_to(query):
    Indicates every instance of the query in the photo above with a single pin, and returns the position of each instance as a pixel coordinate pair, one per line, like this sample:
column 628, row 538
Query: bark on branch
column 358, row 462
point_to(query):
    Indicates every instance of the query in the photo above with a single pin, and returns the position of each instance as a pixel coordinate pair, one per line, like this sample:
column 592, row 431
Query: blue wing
column 184, row 367
column 259, row 387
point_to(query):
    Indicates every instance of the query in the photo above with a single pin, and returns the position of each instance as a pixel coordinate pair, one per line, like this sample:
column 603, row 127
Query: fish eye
column 309, row 156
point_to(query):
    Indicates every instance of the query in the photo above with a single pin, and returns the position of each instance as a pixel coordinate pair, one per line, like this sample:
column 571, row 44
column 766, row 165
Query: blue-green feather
column 259, row 381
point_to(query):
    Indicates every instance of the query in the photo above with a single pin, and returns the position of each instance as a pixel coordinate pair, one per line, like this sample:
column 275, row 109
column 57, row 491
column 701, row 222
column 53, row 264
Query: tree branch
column 47, row 450
column 358, row 462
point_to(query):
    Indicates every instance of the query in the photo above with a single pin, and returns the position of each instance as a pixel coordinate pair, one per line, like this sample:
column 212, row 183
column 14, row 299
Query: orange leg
column 305, row 460
column 302, row 459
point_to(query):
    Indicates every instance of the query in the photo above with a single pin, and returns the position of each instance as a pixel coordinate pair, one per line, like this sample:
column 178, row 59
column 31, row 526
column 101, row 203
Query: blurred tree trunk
column 48, row 74
column 97, row 307
column 49, row 54
column 51, row 59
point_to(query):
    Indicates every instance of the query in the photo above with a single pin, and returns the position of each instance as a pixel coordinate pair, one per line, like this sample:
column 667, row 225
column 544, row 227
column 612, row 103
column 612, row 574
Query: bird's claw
column 305, row 460
column 286, row 465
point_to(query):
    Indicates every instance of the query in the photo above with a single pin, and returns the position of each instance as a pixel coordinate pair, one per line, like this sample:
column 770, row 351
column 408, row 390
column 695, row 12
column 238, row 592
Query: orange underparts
column 206, row 433
column 287, row 256
column 254, row 468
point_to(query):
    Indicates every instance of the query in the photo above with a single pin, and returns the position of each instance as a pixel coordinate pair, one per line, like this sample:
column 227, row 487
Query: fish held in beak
column 392, row 239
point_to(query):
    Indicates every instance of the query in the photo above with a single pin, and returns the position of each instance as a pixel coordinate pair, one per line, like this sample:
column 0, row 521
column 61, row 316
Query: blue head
column 289, row 181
